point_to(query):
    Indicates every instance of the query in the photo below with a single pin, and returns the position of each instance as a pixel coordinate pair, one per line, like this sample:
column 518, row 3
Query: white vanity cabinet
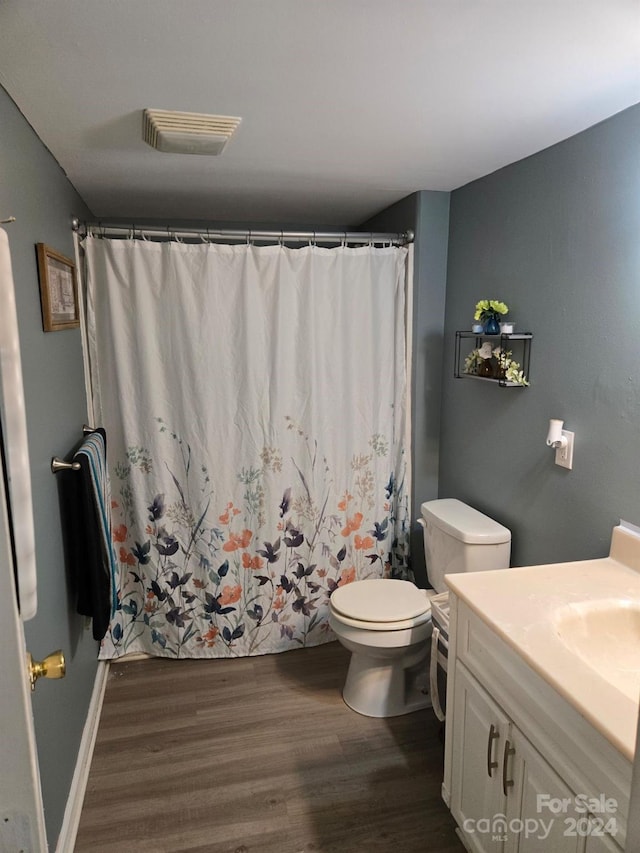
column 479, row 729
column 497, row 775
column 524, row 771
column 599, row 843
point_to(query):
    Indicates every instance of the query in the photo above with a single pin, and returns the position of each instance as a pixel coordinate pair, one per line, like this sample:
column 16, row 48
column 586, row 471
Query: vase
column 485, row 368
column 492, row 326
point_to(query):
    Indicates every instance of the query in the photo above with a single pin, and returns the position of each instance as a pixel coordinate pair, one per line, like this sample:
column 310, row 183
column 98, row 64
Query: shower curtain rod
column 101, row 229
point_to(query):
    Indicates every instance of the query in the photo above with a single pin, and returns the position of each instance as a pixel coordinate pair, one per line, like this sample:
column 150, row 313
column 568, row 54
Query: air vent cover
column 187, row 133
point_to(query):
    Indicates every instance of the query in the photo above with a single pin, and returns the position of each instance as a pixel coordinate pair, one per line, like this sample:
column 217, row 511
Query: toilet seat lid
column 380, row 600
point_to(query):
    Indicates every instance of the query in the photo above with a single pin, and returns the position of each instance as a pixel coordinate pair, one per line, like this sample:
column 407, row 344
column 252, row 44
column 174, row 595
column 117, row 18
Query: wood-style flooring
column 259, row 755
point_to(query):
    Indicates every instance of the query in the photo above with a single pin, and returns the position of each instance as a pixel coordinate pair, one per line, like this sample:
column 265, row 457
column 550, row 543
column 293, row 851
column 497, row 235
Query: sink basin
column 605, row 635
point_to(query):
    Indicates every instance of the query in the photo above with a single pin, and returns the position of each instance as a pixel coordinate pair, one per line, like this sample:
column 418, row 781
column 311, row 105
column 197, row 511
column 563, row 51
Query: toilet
column 386, row 624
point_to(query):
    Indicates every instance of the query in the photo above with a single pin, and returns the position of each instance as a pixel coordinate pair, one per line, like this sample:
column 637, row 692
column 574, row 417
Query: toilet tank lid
column 465, row 523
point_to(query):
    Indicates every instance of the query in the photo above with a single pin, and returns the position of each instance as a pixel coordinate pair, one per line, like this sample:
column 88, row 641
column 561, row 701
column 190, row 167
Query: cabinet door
column 541, row 812
column 480, row 730
column 596, row 843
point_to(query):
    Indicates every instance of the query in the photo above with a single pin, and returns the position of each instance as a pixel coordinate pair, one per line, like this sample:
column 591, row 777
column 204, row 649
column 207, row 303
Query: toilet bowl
column 386, row 623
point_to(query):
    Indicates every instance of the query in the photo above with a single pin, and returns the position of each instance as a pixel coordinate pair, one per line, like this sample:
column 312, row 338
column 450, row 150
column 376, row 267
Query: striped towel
column 91, row 543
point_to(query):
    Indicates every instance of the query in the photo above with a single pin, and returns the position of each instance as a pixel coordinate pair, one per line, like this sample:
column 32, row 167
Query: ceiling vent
column 187, row 133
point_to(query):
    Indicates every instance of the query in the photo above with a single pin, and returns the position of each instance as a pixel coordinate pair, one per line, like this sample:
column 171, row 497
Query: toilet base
column 376, row 688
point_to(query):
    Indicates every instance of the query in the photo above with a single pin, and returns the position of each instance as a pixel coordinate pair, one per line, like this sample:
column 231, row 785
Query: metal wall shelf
column 519, row 344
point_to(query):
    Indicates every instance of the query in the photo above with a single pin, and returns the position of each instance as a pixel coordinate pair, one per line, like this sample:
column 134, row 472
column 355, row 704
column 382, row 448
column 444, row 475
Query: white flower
column 510, row 369
column 471, row 362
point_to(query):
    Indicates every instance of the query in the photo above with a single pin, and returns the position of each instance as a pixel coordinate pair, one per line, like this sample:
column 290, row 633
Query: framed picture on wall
column 58, row 290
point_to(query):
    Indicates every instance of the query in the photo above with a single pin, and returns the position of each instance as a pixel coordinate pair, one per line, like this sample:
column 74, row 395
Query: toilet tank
column 458, row 538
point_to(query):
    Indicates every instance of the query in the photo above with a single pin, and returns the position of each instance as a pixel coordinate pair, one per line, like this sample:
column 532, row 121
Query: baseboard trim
column 71, row 820
column 131, row 656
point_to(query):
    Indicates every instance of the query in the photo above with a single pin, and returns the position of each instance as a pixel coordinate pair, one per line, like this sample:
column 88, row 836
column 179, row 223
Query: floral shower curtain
column 254, row 402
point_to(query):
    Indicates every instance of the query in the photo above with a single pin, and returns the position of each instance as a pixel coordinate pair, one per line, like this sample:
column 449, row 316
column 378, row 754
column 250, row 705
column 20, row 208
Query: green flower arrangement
column 509, row 368
column 487, row 309
column 471, row 362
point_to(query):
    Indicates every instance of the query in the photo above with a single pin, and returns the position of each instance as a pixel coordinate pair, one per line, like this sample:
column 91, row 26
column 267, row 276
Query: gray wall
column 34, row 190
column 556, row 236
column 427, row 213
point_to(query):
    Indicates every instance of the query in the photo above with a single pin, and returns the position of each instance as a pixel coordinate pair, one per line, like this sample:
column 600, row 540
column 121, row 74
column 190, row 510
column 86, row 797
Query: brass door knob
column 53, row 666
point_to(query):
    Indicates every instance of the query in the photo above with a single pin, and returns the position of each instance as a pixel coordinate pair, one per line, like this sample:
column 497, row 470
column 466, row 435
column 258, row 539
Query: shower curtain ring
column 249, row 237
column 282, row 238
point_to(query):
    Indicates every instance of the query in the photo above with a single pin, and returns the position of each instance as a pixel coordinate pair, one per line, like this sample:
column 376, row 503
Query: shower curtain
column 254, row 403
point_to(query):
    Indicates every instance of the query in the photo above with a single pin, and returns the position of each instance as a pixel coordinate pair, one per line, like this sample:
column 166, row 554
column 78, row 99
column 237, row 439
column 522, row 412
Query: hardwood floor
column 259, row 755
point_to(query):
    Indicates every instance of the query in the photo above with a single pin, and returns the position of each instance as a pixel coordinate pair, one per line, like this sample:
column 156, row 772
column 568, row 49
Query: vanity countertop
column 525, row 607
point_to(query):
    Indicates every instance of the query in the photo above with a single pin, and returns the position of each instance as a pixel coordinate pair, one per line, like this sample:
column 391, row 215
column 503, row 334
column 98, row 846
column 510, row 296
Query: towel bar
column 60, row 465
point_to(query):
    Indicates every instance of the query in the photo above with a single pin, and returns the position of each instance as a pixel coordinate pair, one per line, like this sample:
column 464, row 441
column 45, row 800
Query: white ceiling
column 347, row 105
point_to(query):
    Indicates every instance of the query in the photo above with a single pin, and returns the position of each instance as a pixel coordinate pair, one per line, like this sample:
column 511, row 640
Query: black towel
column 89, row 543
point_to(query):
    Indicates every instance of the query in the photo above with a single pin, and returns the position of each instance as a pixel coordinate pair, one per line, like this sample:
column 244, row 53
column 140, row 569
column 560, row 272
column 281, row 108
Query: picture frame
column 58, row 290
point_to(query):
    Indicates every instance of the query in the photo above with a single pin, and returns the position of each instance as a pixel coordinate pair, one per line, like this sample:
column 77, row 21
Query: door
column 21, row 813
column 597, row 843
column 480, row 730
column 540, row 805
